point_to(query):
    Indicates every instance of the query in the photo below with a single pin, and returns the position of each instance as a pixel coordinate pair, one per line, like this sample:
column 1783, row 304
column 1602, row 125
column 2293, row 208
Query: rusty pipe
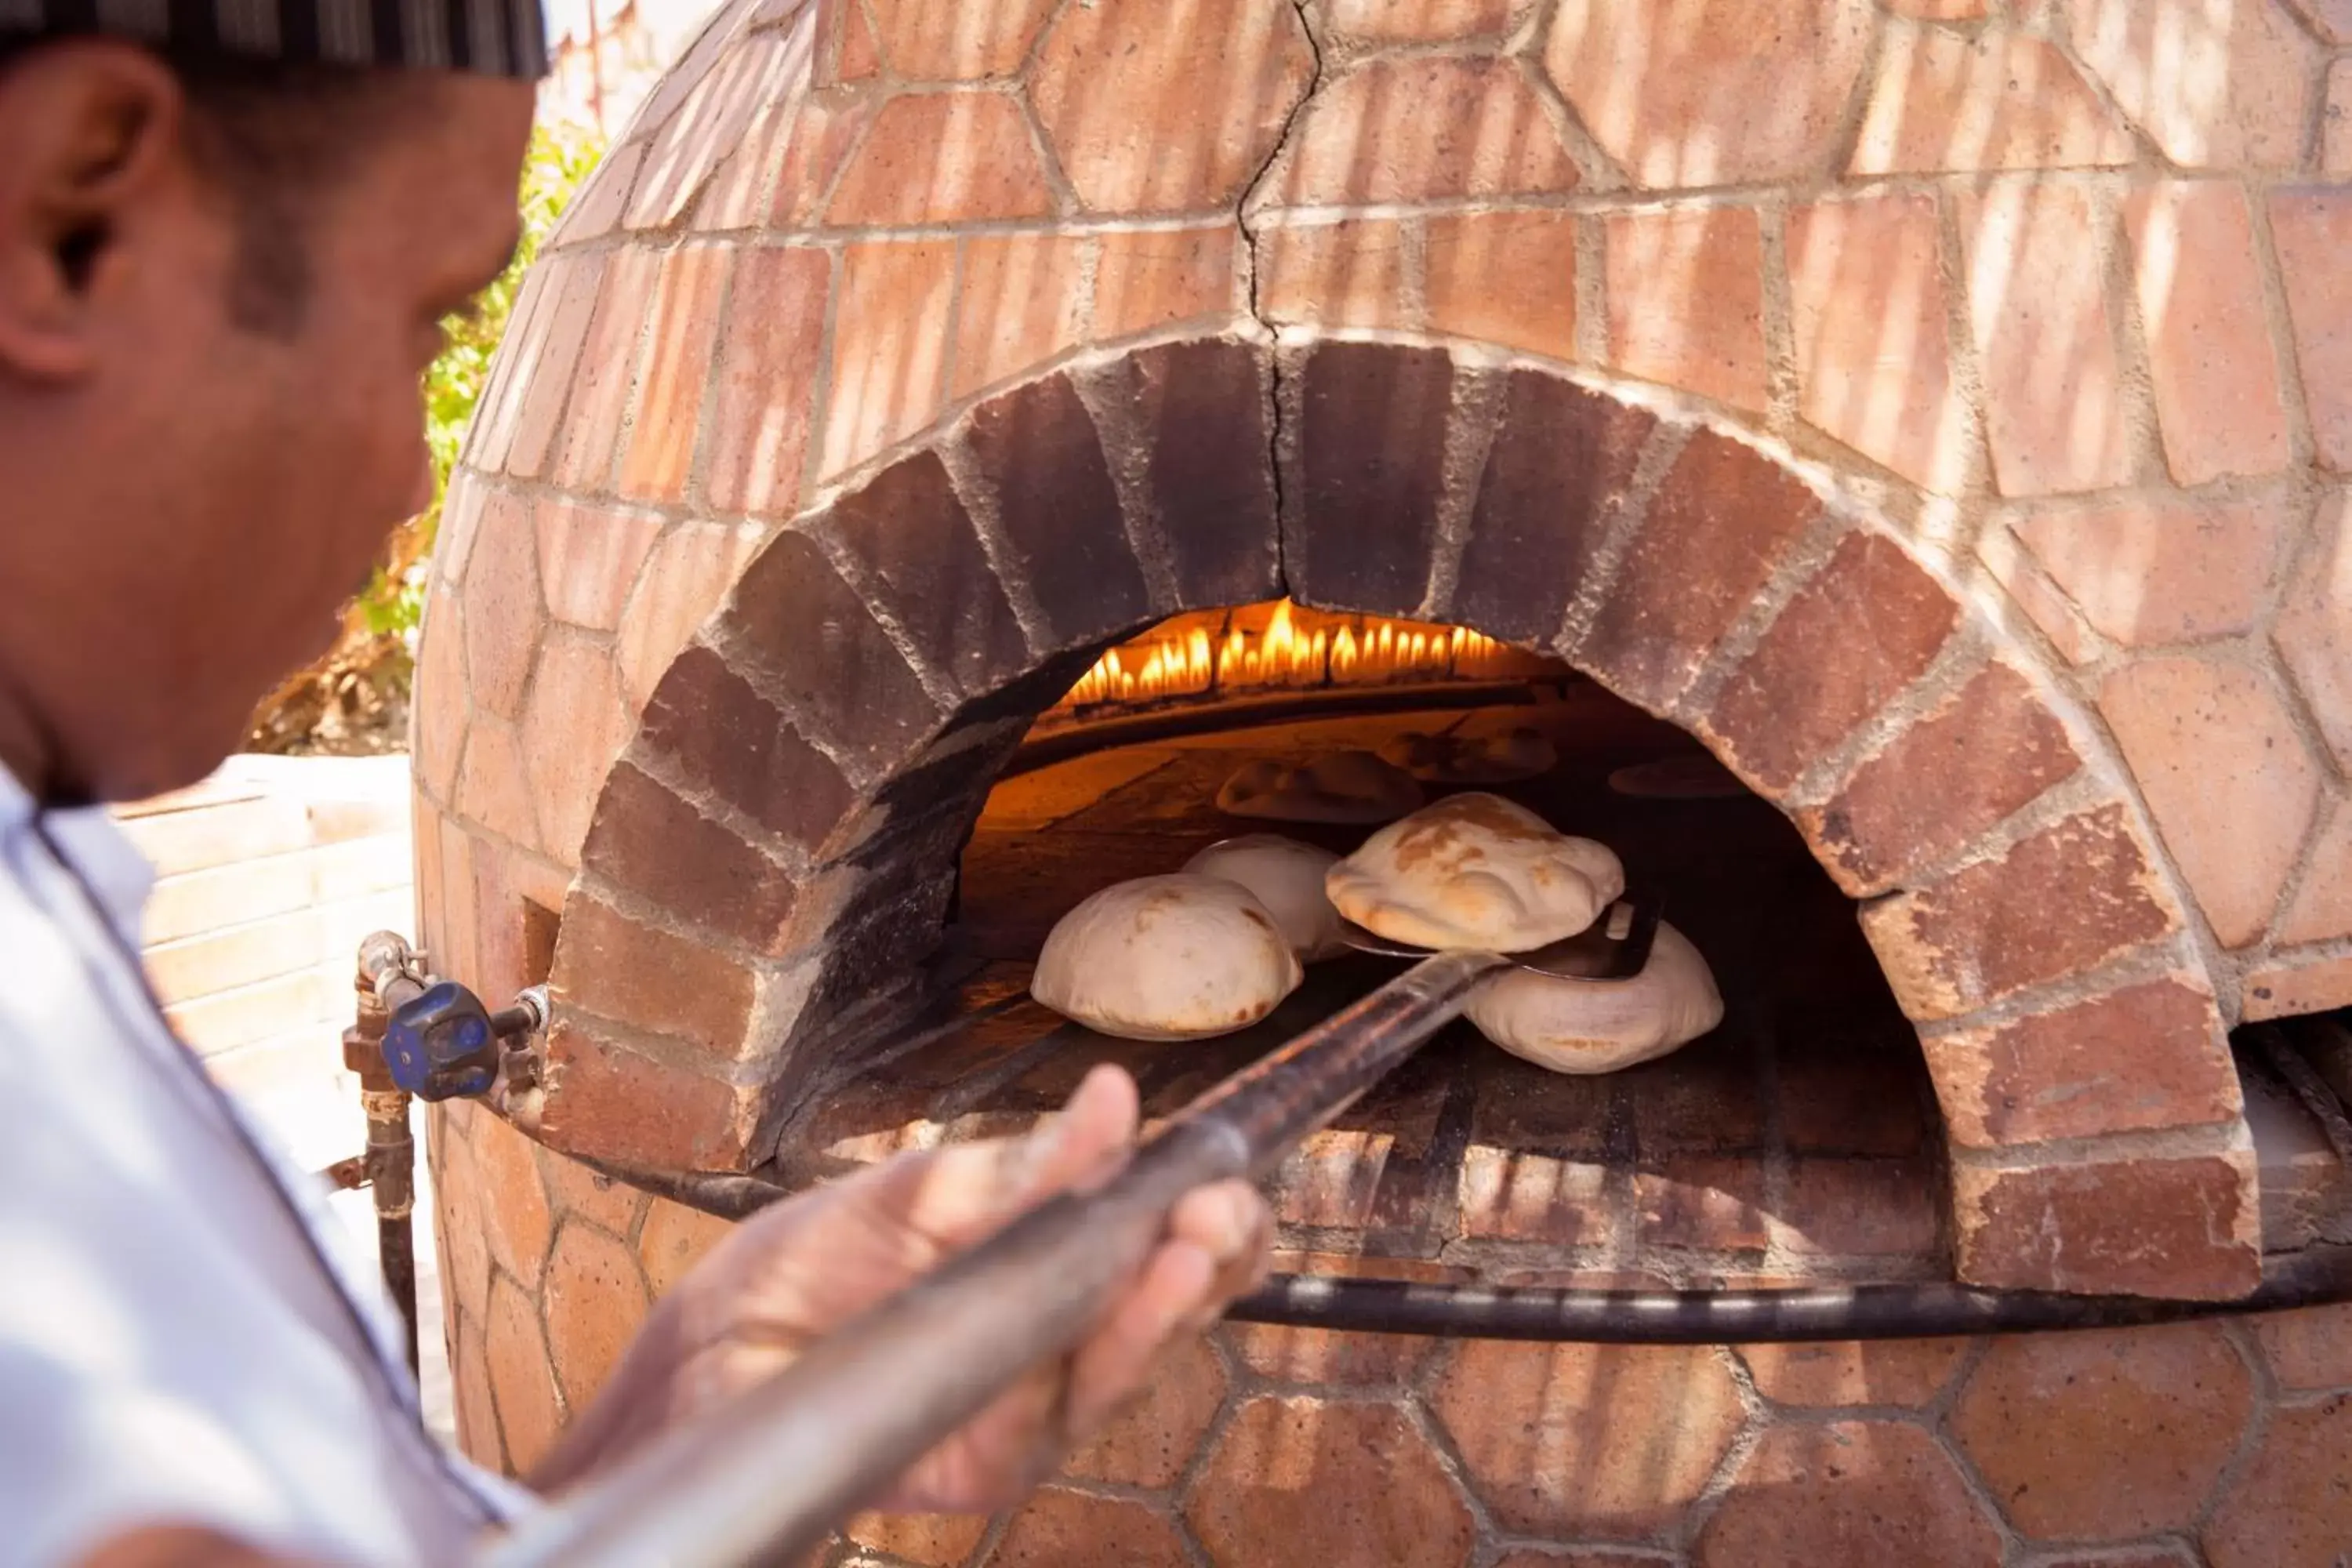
column 387, row 974
column 768, row 1475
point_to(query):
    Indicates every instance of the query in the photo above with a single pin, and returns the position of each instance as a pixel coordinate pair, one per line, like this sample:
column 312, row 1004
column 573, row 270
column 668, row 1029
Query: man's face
column 213, row 492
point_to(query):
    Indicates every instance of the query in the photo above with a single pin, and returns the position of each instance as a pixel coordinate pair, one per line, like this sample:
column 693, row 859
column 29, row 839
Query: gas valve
column 442, row 1045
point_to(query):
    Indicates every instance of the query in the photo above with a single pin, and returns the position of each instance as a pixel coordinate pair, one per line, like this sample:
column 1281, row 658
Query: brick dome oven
column 1938, row 410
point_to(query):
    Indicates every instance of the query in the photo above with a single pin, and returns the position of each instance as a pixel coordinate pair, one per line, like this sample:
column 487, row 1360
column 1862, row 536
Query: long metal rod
column 772, row 1473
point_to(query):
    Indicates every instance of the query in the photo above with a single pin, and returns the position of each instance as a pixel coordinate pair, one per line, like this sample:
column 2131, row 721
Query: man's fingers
column 1114, row 1364
column 959, row 1195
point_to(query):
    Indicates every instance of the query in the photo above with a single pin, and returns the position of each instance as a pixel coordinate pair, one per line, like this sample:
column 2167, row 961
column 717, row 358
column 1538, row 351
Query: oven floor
column 1800, row 1141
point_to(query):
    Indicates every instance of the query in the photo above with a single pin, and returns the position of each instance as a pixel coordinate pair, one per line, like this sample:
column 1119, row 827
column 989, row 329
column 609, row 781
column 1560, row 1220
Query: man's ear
column 88, row 136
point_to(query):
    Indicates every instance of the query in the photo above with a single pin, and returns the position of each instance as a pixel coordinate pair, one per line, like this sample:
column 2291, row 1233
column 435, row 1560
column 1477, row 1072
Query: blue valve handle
column 441, row 1045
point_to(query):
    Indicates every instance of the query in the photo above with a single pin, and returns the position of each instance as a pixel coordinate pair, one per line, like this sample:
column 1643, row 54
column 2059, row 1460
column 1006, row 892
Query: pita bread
column 1476, row 871
column 1521, row 753
column 1338, row 786
column 1287, row 877
column 1588, row 1026
column 1166, row 958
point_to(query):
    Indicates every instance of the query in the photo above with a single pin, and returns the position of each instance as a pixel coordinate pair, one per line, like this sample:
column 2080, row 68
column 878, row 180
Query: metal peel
column 1614, row 948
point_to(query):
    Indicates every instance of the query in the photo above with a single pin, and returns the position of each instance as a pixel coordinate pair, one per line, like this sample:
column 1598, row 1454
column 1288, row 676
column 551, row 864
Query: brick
column 1873, row 339
column 543, row 388
column 2037, row 299
column 1056, row 1527
column 1984, row 753
column 1503, row 277
column 1716, row 532
column 768, row 361
column 175, row 843
column 2335, row 146
column 589, row 558
column 2058, row 902
column 504, row 617
column 595, row 210
column 1509, row 1196
column 742, row 179
column 890, row 341
column 927, row 47
column 1207, row 409
column 2308, row 1348
column 1317, row 1356
column 1607, row 1442
column 931, row 1539
column 214, row 1025
column 573, row 728
column 635, row 973
column 908, row 533
column 1152, row 108
column 437, row 735
column 2148, row 572
column 1844, row 1095
column 522, row 1385
column 240, row 955
column 2144, row 1056
column 595, row 1299
column 1709, row 1204
column 583, row 1193
column 1151, row 1442
column 826, row 127
column 1149, row 278
column 478, row 1416
column 1418, row 21
column 522, row 344
column 2286, row 987
column 2240, row 100
column 462, row 505
column 456, row 951
column 942, row 157
column 674, row 1239
column 685, row 579
column 516, row 1219
column 1021, row 303
column 1845, row 1372
column 1558, row 467
column 621, row 1106
column 2033, row 593
column 1372, row 445
column 818, row 647
column 680, row 338
column 2322, row 905
column 1852, row 1491
column 746, row 72
column 1423, row 128
column 1547, row 1559
column 1728, row 94
column 2108, row 1433
column 1943, row 101
column 1059, row 513
column 2314, row 629
column 721, row 735
column 2311, row 229
column 2181, row 1228
column 590, row 436
column 1343, row 272
column 651, row 842
column 494, row 789
column 1349, row 1485
column 2289, row 1507
column 1861, row 1208
column 1866, row 626
column 2225, row 776
column 1686, row 290
column 2209, row 346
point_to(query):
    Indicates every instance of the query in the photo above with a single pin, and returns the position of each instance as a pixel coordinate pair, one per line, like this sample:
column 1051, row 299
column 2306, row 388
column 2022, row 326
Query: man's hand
column 790, row 1274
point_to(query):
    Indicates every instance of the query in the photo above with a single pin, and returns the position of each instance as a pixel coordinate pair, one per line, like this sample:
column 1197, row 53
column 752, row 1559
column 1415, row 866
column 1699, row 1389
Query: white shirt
column 185, row 1334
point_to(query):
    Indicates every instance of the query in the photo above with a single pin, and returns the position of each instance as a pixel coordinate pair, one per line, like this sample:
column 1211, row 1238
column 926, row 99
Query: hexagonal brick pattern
column 1848, row 1492
column 1340, row 1484
column 595, row 1298
column 1150, row 1444
column 2313, row 630
column 2233, row 92
column 522, row 1386
column 517, row 1220
column 925, row 44
column 1423, row 128
column 1056, row 1527
column 1848, row 1372
column 2292, row 1508
column 674, row 1239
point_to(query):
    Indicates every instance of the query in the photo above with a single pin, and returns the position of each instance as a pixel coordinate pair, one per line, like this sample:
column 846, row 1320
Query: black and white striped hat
column 492, row 37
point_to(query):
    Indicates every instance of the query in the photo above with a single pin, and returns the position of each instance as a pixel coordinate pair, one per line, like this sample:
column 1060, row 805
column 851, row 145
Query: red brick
column 1512, row 1196
column 860, row 55
column 2058, row 902
column 1318, row 1356
column 688, row 575
column 1508, row 278
column 651, row 842
column 2037, row 301
column 2144, row 1056
column 1842, row 1372
column 522, row 1386
column 986, row 40
column 744, row 73
column 462, row 504
column 595, row 1298
column 722, row 736
column 633, row 973
column 543, row 386
column 1720, row 93
column 2237, row 100
column 1861, row 631
column 889, row 347
column 1873, row 342
column 2313, row 230
column 439, row 731
column 1371, row 445
column 674, row 1239
column 826, row 127
column 1021, row 305
column 1987, row 751
column 596, row 208
column 1716, row 532
column 1848, row 1492
column 2289, row 1507
column 2182, row 1228
column 1861, row 1208
column 942, row 157
column 1346, row 273
column 2200, row 300
column 1608, row 1442
column 1851, row 1096
column 920, row 556
column 2032, row 592
column 588, row 559
column 457, row 954
column 2226, row 778
column 1708, row 1204
column 464, row 1232
column 2000, row 100
column 2286, row 987
column 2148, row 572
column 2108, row 1434
column 504, row 616
column 493, row 790
column 1152, row 1441
column 2335, row 153
column 617, row 1105
column 1156, row 109
column 1423, row 128
column 1418, row 21
column 2313, row 630
column 2309, row 1348
column 1208, row 408
column 1686, row 290
column 682, row 336
column 590, row 436
column 573, row 729
column 2323, row 906
column 1149, row 278
column 767, row 362
column 592, row 1196
column 1347, row 1485
column 1056, row 1528
column 931, row 1539
column 477, row 1413
column 516, row 1221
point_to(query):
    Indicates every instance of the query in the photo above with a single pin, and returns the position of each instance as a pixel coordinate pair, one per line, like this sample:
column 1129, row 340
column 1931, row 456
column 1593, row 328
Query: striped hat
column 492, row 37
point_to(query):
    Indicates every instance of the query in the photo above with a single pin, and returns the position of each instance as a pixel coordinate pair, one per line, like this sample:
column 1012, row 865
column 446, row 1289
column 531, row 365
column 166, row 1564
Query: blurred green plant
column 356, row 697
